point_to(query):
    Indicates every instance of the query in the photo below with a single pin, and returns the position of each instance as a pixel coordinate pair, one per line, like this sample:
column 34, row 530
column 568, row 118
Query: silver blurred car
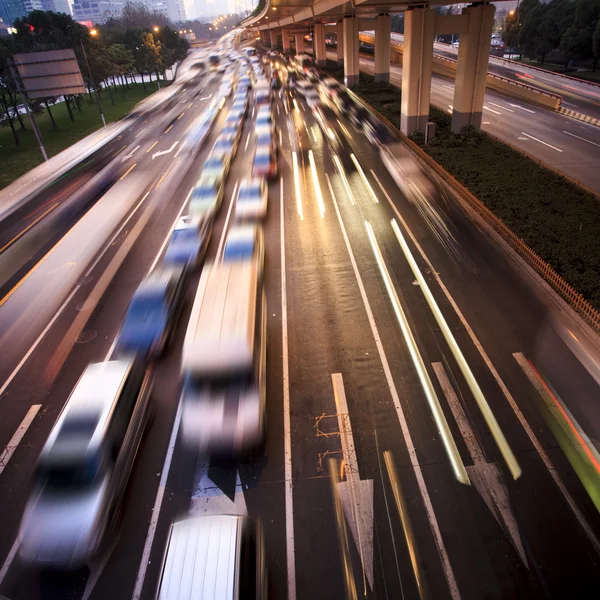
column 84, row 466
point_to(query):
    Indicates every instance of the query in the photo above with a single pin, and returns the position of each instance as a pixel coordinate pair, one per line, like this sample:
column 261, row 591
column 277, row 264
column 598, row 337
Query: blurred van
column 224, row 360
column 217, row 557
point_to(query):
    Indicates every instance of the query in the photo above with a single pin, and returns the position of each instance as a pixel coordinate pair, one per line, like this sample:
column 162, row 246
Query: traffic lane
column 144, row 165
column 548, row 500
column 261, row 476
column 324, row 299
column 585, row 97
column 539, row 132
column 466, row 518
column 100, row 330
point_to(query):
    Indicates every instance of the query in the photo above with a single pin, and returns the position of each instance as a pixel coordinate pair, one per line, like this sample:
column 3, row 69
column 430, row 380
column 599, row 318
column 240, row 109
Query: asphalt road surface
column 343, row 384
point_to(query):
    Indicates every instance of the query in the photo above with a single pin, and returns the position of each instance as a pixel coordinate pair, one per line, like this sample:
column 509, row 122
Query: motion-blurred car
column 207, row 196
column 245, row 242
column 252, row 199
column 153, row 313
column 188, row 242
column 264, row 117
column 233, row 129
column 240, row 105
column 82, row 472
column 226, row 143
column 217, row 164
column 265, row 136
column 265, row 163
column 376, row 132
column 358, row 115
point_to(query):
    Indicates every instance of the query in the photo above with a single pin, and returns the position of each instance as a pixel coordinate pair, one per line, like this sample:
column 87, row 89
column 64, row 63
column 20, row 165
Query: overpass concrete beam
column 416, row 69
column 351, row 64
column 383, row 48
column 471, row 67
column 319, row 47
column 339, row 37
column 274, row 35
column 265, row 38
column 299, row 39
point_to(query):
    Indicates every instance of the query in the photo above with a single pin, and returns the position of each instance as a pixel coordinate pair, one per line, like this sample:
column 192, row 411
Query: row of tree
column 570, row 26
column 138, row 43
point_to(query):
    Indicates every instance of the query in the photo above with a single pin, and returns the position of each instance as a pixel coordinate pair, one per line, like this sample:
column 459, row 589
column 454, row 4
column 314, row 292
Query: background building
column 97, row 11
column 13, row 9
column 59, row 6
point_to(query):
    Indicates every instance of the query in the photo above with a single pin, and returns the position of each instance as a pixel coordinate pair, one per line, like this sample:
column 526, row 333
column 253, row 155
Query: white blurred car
column 207, row 196
column 252, row 199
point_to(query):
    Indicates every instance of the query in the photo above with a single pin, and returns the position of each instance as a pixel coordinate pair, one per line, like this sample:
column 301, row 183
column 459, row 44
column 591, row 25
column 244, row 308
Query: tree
column 596, row 44
column 577, row 41
column 121, row 59
column 137, row 15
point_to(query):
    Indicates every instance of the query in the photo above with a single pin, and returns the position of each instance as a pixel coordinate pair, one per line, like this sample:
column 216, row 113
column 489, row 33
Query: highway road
column 566, row 144
column 577, row 95
column 343, row 383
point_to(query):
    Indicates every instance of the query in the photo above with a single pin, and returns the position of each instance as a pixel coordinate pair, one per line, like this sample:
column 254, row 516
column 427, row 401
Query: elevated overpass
column 282, row 20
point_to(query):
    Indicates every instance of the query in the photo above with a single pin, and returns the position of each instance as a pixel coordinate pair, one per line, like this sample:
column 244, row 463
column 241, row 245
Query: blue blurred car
column 153, row 313
column 188, row 242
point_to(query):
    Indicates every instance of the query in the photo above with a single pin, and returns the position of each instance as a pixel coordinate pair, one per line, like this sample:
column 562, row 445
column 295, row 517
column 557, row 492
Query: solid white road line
column 340, row 167
column 162, row 486
column 523, row 108
column 463, row 365
column 414, row 460
column 220, row 248
column 509, row 397
column 287, row 427
column 491, row 110
column 541, row 142
column 9, row 559
column 312, row 130
column 15, row 440
column 582, row 139
column 247, row 142
column 502, row 107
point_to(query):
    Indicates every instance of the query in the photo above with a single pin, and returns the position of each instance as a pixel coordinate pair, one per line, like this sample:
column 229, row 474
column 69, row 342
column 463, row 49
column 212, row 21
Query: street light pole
column 92, row 81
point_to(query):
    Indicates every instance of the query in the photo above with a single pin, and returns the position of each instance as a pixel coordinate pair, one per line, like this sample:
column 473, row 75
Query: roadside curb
column 579, row 116
column 575, row 300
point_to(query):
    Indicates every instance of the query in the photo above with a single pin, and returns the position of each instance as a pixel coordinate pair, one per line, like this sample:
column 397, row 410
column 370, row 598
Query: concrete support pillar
column 319, row 47
column 339, row 36
column 351, row 66
column 471, row 67
column 285, row 41
column 265, row 38
column 274, row 42
column 299, row 43
column 416, row 69
column 383, row 50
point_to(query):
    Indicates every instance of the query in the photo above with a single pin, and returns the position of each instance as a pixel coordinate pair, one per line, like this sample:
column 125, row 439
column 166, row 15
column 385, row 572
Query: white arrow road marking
column 128, row 156
column 209, row 499
column 356, row 494
column 486, row 477
column 165, row 151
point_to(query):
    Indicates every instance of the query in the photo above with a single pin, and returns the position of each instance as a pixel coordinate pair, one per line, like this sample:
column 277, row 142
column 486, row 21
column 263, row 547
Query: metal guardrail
column 538, row 264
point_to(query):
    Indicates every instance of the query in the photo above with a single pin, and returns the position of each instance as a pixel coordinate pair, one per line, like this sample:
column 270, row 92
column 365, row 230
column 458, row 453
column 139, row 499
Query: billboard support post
column 26, row 105
column 92, row 82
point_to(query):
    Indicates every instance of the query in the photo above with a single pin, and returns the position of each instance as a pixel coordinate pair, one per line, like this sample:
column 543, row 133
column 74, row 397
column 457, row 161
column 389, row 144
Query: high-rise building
column 59, row 6
column 97, row 11
column 177, row 12
column 13, row 9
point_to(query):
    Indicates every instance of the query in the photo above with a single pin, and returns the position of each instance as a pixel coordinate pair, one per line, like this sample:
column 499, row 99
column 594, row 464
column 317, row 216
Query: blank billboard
column 48, row 74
